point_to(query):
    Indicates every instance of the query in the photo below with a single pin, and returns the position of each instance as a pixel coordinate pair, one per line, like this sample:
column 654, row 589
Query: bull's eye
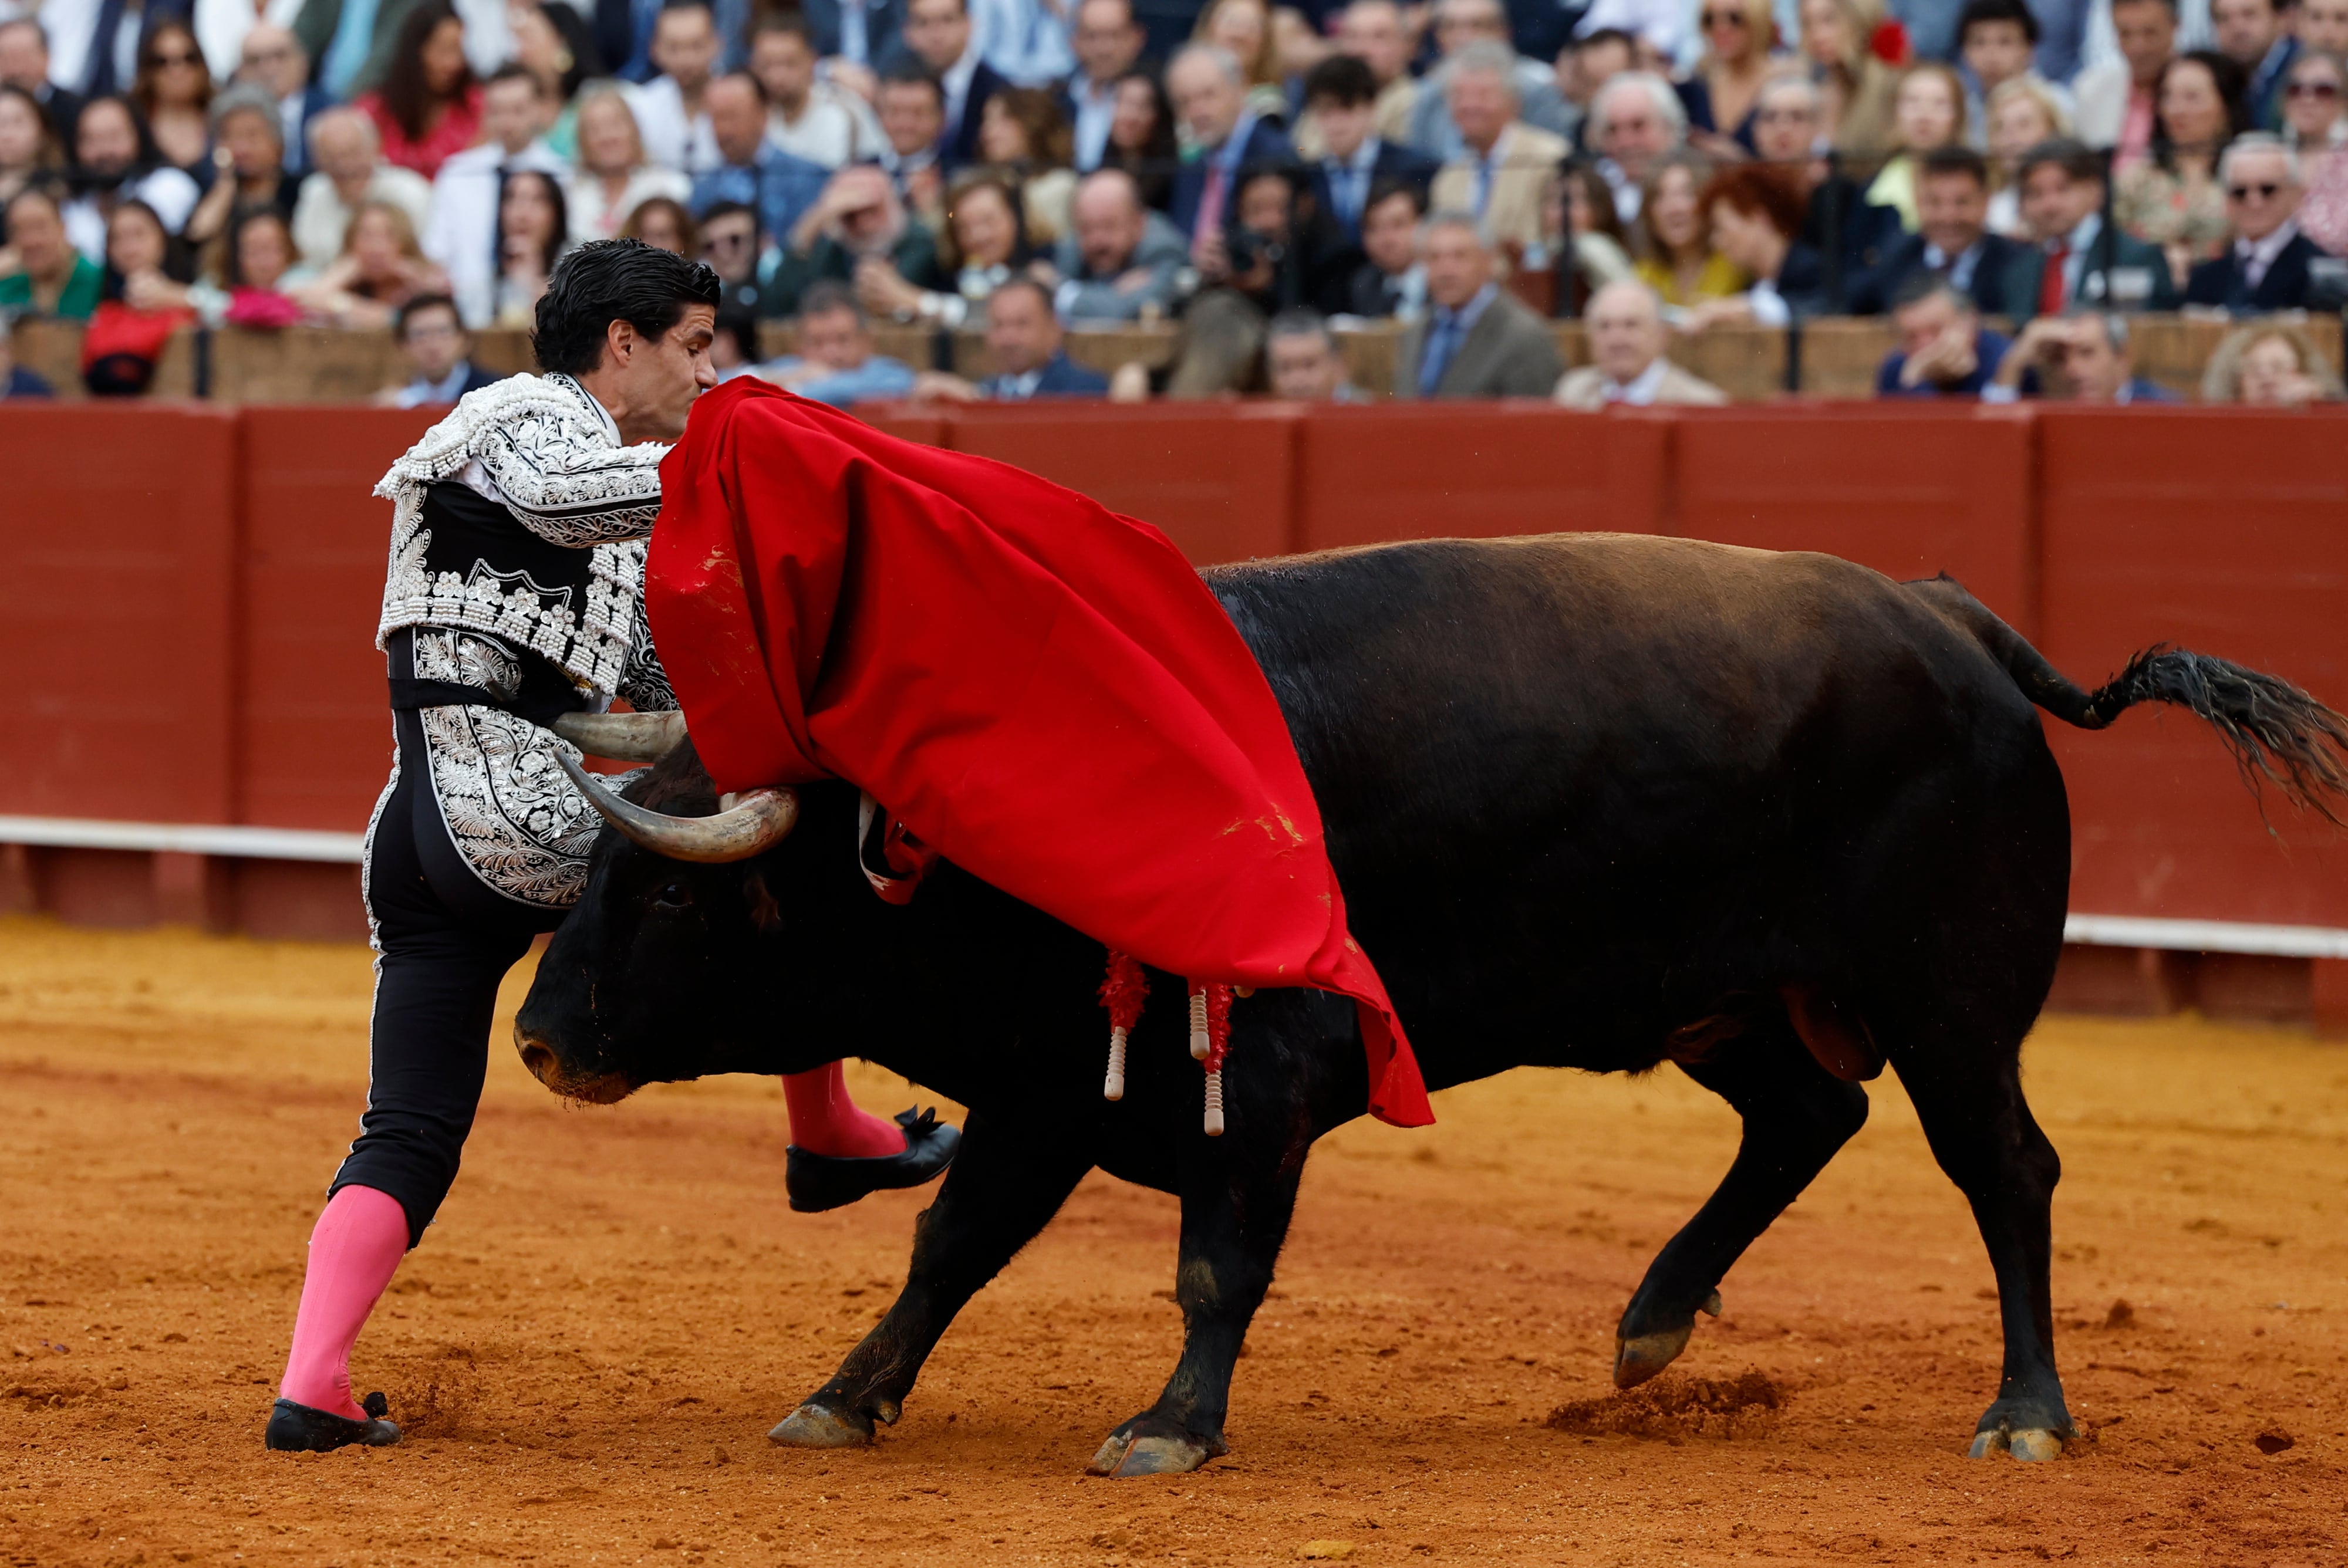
column 675, row 896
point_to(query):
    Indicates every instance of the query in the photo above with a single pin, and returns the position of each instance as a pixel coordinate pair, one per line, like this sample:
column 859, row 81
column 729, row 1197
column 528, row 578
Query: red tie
column 2050, row 285
column 1210, row 201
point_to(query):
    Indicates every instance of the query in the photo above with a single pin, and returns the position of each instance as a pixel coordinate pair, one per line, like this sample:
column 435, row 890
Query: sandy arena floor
column 616, row 1303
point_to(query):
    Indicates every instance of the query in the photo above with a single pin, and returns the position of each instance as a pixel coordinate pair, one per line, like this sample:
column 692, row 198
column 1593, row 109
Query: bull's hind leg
column 1002, row 1188
column 1234, row 1218
column 1796, row 1116
column 1984, row 1137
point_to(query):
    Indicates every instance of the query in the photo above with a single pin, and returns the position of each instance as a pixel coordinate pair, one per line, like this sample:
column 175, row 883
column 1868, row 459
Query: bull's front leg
column 1010, row 1178
column 1236, row 1205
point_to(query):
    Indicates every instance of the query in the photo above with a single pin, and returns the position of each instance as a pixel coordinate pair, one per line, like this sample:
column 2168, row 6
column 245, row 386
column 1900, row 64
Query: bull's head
column 669, row 966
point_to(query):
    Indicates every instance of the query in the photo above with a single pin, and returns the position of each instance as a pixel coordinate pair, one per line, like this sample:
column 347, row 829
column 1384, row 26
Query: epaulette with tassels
column 1122, row 993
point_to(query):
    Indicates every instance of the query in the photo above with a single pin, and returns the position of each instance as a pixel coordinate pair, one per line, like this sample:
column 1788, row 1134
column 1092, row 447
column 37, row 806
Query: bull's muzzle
column 599, row 1089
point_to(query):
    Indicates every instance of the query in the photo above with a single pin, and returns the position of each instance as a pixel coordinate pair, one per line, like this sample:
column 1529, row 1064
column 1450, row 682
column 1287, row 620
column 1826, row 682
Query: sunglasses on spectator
column 175, row 59
column 2312, row 90
column 2244, row 192
column 1710, row 19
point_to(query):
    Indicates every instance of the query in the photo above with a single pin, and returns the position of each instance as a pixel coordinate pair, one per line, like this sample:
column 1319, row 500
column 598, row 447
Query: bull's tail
column 2278, row 733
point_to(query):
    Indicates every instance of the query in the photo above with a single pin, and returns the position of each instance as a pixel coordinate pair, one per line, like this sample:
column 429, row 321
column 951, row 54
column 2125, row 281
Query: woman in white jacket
column 612, row 178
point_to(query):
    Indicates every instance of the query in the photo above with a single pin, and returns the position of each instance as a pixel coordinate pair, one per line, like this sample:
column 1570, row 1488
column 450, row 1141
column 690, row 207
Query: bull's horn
column 763, row 818
column 623, row 737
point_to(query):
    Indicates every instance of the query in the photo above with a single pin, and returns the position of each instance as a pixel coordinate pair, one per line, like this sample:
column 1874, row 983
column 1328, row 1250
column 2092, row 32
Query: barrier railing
column 1839, row 356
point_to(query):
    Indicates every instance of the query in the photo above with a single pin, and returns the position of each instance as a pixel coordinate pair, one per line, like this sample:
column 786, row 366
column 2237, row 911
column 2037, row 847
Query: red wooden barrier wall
column 188, row 597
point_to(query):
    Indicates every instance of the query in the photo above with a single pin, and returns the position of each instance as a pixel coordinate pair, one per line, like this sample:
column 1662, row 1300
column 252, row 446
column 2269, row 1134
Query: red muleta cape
column 1040, row 689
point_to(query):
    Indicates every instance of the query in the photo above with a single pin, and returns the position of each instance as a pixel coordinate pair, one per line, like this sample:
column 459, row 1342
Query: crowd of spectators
column 1264, row 175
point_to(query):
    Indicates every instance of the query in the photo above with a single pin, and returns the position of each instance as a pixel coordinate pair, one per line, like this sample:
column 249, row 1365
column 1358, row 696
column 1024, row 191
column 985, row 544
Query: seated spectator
column 1587, row 62
column 2075, row 260
column 1928, row 115
column 2172, row 200
column 173, row 94
column 2083, row 357
column 26, row 64
column 807, row 116
column 1109, row 44
column 1944, row 351
column 834, row 363
column 859, row 217
column 1740, row 37
column 53, row 278
column 1997, row 39
column 556, row 46
column 142, row 307
column 15, row 381
column 612, row 178
column 381, row 269
column 1626, row 350
column 912, row 118
column 940, row 35
column 1242, row 29
column 2257, row 37
column 1121, row 262
column 28, row 148
column 117, row 161
column 751, row 169
column 2315, row 105
column 2322, row 26
column 1376, row 33
column 1025, row 344
column 1635, row 121
column 532, row 231
column 272, row 58
column 1755, row 216
column 1341, row 94
column 2114, row 99
column 1390, row 282
column 429, row 106
column 439, row 354
column 1954, row 243
column 253, row 173
column 673, row 108
column 2267, row 266
column 1675, row 257
column 1474, row 339
column 1504, row 162
column 1277, row 254
column 1303, row 363
column 1482, row 26
column 2270, row 365
column 665, row 225
column 350, row 172
column 1583, row 245
column 1022, row 136
column 1856, row 87
column 2022, row 114
column 1208, row 92
column 736, row 251
column 1851, row 235
column 1141, row 139
column 985, row 245
column 463, row 233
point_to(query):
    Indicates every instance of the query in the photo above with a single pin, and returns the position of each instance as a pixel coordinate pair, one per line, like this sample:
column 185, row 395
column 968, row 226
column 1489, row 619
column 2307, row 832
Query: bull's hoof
column 813, row 1426
column 2031, row 1445
column 1124, row 1456
column 1636, row 1361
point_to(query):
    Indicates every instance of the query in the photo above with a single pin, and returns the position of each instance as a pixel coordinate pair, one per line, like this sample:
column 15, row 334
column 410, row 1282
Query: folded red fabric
column 1040, row 689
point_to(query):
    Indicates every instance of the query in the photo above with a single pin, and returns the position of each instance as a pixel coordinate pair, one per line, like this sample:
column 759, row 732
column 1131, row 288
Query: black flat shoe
column 297, row 1428
column 821, row 1181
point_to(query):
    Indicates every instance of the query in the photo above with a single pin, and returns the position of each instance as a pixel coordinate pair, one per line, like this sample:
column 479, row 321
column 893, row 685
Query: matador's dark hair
column 609, row 281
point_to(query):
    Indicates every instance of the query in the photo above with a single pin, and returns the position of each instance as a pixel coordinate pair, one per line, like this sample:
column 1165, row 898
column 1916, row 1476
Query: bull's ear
column 765, row 913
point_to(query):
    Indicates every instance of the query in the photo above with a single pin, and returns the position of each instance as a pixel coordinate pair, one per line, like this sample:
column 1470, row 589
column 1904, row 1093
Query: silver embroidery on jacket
column 510, row 809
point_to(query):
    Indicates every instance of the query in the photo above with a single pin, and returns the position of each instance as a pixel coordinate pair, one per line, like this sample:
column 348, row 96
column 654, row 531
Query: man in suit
column 1944, row 351
column 439, row 353
column 1953, row 243
column 1634, row 120
column 1625, row 322
column 2255, row 34
column 1119, row 259
column 2084, row 357
column 2266, row 268
column 1209, row 93
column 2078, row 260
column 753, row 169
column 1475, row 341
column 1851, row 235
column 912, row 113
column 937, row 33
column 1506, row 164
column 1390, row 282
column 1461, row 25
column 860, row 32
column 1342, row 96
column 1302, row 362
column 1023, row 340
column 272, row 58
column 24, row 65
column 1109, row 44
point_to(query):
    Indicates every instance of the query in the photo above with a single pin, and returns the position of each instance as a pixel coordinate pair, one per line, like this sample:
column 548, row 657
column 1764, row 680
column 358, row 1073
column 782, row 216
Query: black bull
column 1595, row 802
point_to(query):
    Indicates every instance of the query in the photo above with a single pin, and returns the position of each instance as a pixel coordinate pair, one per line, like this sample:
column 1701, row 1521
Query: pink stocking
column 825, row 1121
column 354, row 1250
